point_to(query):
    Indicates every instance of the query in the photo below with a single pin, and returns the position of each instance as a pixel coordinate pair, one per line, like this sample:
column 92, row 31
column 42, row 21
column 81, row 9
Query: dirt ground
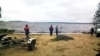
column 75, row 45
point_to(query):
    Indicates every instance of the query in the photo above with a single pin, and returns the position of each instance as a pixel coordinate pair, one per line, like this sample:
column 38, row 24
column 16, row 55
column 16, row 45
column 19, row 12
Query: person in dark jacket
column 51, row 30
column 26, row 29
column 92, row 31
column 57, row 30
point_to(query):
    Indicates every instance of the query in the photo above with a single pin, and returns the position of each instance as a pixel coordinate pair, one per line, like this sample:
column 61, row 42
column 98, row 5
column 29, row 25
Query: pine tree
column 0, row 12
column 97, row 15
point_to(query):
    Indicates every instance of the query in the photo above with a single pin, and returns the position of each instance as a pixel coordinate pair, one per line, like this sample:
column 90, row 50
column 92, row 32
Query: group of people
column 51, row 30
column 26, row 29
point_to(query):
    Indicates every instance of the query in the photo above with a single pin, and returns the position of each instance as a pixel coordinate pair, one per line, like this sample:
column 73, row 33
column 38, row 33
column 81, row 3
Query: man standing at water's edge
column 57, row 30
column 26, row 29
column 51, row 30
column 92, row 31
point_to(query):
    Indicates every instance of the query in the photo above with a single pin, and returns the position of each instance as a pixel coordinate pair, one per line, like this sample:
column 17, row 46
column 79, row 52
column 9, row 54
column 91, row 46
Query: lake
column 43, row 27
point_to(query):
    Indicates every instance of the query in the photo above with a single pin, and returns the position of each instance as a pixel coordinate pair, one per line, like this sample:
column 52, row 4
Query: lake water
column 39, row 27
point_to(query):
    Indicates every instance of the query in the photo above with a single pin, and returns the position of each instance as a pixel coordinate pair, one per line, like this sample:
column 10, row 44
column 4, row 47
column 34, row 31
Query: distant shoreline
column 48, row 33
column 52, row 22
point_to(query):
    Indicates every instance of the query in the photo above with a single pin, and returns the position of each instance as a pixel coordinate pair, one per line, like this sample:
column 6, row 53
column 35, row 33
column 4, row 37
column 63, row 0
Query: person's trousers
column 51, row 33
column 91, row 33
column 27, row 37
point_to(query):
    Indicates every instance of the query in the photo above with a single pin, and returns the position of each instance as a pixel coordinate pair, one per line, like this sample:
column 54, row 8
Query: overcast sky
column 48, row 10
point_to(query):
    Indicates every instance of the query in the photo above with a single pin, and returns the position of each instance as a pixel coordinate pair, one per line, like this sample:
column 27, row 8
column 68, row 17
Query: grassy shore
column 74, row 45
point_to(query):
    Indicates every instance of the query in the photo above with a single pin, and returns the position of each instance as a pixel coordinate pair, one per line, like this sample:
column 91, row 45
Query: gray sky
column 48, row 10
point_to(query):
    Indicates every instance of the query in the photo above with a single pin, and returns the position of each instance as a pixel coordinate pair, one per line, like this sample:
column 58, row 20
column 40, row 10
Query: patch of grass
column 98, row 44
column 62, row 37
column 44, row 43
column 2, row 53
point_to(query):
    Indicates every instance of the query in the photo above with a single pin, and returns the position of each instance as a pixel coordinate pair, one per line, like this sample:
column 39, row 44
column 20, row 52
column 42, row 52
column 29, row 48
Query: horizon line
column 45, row 21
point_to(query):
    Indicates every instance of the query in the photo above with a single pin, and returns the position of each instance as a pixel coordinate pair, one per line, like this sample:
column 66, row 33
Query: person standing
column 51, row 30
column 26, row 29
column 57, row 30
column 92, row 31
